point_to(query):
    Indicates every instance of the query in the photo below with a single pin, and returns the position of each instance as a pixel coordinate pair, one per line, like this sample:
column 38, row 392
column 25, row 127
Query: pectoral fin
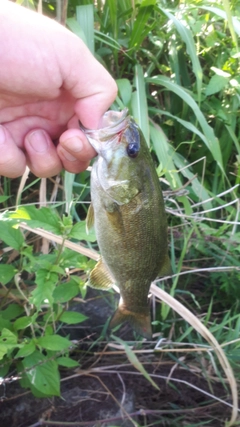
column 100, row 277
column 166, row 269
column 114, row 216
column 90, row 219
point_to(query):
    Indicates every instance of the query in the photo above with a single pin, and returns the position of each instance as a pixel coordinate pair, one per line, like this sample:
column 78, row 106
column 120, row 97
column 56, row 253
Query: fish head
column 119, row 145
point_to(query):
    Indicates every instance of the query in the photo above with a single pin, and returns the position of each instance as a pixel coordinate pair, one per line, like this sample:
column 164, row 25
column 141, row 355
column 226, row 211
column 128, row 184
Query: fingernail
column 2, row 135
column 73, row 144
column 38, row 141
column 68, row 156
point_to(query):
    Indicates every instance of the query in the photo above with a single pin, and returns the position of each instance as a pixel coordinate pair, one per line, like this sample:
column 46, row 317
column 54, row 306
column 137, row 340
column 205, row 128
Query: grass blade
column 164, row 153
column 112, row 6
column 74, row 26
column 234, row 138
column 139, row 102
column 68, row 189
column 135, row 362
column 198, row 188
column 125, row 91
column 85, row 18
column 187, row 37
column 140, row 27
column 187, row 125
column 211, row 141
column 207, row 335
column 223, row 15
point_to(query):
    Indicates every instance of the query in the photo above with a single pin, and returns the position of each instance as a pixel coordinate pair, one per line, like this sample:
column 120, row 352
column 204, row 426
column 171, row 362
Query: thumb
column 88, row 82
column 90, row 110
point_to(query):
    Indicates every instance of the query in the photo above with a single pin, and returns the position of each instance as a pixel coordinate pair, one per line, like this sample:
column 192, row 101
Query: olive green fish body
column 130, row 224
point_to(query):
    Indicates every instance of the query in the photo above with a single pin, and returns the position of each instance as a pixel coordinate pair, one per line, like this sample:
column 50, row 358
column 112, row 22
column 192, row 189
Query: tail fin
column 141, row 323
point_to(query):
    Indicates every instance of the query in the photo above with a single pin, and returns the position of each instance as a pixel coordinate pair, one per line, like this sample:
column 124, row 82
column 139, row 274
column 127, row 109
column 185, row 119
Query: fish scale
column 128, row 214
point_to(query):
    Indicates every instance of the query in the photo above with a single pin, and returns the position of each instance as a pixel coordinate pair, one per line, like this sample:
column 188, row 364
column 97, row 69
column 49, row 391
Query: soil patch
column 108, row 391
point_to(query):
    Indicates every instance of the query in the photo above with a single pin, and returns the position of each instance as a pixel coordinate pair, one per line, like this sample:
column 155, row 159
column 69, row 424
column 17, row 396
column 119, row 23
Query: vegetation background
column 177, row 67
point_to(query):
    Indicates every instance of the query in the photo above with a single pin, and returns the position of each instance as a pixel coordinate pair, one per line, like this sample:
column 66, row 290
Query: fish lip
column 113, row 123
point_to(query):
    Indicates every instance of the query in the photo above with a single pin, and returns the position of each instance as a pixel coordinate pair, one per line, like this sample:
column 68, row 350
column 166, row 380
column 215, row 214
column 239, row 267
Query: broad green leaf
column 12, row 311
column 220, row 72
column 4, row 323
column 45, row 218
column 216, row 84
column 67, row 362
column 65, row 291
column 67, row 222
column 4, row 367
column 79, row 232
column 22, row 323
column 4, row 198
column 3, row 350
column 7, row 272
column 81, row 282
column 46, row 282
column 135, row 361
column 54, row 342
column 46, row 264
column 211, row 141
column 70, row 258
column 44, row 276
column 72, row 317
column 26, row 349
column 42, row 374
column 8, row 338
column 8, row 342
column 11, row 236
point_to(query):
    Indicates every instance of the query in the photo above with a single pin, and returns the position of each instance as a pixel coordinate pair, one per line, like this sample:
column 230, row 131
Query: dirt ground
column 99, row 399
column 107, row 391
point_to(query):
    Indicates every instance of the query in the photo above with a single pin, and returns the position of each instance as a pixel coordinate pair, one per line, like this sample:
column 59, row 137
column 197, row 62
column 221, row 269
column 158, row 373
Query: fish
column 128, row 214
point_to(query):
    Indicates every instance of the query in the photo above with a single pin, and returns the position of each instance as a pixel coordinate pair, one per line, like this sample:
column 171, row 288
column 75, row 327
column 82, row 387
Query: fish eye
column 133, row 149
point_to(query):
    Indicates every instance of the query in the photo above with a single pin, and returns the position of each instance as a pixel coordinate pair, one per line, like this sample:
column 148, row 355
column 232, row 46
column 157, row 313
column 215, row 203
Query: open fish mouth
column 112, row 124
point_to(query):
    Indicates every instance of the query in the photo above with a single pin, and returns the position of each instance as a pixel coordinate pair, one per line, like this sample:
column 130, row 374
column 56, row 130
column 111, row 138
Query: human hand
column 49, row 81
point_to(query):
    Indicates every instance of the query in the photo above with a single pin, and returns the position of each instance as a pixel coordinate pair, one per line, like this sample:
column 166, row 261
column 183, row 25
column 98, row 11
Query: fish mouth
column 112, row 125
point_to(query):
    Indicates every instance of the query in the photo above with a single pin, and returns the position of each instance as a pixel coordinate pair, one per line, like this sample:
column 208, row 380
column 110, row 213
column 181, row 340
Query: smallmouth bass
column 128, row 214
